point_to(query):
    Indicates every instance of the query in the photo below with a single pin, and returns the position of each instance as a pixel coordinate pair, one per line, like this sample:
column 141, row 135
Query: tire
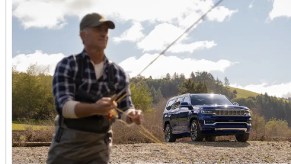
column 169, row 136
column 210, row 138
column 195, row 132
column 242, row 137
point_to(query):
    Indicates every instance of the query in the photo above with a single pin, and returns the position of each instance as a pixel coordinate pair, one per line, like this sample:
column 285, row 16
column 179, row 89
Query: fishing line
column 186, row 31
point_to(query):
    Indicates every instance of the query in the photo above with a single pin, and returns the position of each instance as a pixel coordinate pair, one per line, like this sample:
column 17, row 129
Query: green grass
column 241, row 93
column 17, row 126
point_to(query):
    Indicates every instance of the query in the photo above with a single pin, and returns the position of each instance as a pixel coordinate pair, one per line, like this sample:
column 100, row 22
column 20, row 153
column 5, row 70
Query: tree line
column 32, row 94
column 269, row 107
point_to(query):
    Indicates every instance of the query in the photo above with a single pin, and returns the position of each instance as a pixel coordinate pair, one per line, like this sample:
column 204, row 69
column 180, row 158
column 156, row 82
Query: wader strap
column 60, row 129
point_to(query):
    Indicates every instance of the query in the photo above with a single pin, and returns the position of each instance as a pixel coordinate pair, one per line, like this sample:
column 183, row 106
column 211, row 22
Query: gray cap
column 93, row 20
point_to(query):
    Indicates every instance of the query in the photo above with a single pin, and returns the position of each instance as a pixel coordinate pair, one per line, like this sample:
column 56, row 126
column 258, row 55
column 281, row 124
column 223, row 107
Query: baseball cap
column 95, row 19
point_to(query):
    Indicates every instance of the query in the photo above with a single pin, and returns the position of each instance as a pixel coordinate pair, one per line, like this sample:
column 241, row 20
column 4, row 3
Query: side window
column 181, row 99
column 187, row 99
column 178, row 102
column 175, row 105
column 169, row 104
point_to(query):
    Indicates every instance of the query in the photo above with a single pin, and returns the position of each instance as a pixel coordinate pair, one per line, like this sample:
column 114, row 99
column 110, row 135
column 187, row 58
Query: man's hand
column 134, row 116
column 105, row 105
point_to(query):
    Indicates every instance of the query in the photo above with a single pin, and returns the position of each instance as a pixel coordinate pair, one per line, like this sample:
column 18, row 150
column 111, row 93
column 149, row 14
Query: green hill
column 242, row 93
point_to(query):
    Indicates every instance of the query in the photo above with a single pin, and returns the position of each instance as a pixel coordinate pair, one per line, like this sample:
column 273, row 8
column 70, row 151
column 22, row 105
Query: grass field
column 241, row 93
column 17, row 126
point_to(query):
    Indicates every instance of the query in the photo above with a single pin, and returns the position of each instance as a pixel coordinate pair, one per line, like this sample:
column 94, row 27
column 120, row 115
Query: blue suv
column 205, row 116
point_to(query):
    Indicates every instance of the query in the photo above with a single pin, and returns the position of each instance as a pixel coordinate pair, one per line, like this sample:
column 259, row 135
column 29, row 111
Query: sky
column 247, row 41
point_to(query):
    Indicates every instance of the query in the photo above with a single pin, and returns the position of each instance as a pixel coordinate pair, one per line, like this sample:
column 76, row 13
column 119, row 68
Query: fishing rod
column 123, row 93
column 179, row 37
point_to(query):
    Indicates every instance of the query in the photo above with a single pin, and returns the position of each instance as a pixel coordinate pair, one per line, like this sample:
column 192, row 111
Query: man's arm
column 101, row 107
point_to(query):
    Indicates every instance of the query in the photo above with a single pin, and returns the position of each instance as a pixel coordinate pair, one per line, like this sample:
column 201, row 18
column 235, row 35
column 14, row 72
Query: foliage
column 189, row 86
column 31, row 95
column 258, row 127
column 141, row 95
column 276, row 128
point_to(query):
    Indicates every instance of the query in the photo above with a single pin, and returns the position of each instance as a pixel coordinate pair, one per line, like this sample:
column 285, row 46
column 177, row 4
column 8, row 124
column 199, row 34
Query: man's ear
column 83, row 34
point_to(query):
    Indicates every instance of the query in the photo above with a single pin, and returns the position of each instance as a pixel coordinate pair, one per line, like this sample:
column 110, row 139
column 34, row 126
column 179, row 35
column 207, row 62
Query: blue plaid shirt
column 65, row 79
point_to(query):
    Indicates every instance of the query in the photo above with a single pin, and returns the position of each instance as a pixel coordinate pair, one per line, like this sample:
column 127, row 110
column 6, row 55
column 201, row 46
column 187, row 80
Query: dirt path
column 180, row 152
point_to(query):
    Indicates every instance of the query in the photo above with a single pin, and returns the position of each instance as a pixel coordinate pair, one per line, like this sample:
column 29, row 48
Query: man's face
column 95, row 37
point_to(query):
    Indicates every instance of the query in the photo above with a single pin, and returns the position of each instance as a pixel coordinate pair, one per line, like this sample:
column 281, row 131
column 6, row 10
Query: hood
column 214, row 107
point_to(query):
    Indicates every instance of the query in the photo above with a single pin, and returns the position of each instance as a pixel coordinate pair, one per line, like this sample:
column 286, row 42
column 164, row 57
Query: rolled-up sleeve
column 63, row 82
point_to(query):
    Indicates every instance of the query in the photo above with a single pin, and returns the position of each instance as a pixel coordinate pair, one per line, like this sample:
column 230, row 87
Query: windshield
column 209, row 99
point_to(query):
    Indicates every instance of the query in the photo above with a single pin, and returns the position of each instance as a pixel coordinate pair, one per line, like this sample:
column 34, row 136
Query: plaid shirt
column 65, row 79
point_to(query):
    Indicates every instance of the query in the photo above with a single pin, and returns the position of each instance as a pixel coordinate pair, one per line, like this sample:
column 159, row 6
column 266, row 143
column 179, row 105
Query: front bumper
column 225, row 125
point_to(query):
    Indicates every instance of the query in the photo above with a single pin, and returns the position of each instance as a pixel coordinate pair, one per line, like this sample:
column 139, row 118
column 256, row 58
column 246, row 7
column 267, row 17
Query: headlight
column 247, row 113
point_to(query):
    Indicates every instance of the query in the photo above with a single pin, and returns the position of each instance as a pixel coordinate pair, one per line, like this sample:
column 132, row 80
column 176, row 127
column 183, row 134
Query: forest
column 32, row 97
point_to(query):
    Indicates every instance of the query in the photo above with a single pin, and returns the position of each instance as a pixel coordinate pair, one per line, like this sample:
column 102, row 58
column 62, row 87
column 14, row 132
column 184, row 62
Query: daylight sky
column 247, row 41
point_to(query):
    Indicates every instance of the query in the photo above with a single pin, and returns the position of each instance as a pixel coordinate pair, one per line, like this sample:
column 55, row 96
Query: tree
column 226, row 82
column 192, row 76
column 189, row 86
column 141, row 96
column 258, row 126
column 31, row 95
column 156, row 94
column 201, row 88
column 277, row 128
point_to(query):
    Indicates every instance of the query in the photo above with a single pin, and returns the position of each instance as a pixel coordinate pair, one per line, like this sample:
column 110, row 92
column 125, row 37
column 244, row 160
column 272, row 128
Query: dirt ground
column 180, row 152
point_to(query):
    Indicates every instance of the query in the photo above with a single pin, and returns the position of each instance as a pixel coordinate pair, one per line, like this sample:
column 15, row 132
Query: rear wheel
column 242, row 137
column 210, row 138
column 195, row 132
column 169, row 136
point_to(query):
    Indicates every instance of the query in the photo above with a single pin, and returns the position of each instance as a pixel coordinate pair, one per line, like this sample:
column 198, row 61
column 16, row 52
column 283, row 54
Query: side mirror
column 185, row 104
column 235, row 103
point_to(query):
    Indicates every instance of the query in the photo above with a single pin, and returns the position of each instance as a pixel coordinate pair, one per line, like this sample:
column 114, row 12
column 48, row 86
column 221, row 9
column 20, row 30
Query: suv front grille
column 230, row 112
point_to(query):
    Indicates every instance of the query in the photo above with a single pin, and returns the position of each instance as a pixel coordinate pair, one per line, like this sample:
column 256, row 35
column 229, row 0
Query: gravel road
column 180, row 152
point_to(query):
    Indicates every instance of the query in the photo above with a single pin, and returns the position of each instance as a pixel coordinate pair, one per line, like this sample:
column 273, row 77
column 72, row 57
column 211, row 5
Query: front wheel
column 169, row 136
column 242, row 137
column 195, row 132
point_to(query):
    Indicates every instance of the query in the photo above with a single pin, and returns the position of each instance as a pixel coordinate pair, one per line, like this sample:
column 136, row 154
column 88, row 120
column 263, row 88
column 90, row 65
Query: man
column 86, row 88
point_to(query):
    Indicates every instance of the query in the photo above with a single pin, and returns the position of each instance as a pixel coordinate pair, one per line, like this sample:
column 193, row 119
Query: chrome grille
column 230, row 112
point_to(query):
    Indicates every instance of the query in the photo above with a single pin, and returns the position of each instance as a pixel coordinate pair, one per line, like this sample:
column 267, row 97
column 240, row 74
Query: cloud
column 171, row 64
column 278, row 90
column 162, row 66
column 164, row 34
column 133, row 34
column 54, row 12
column 159, row 37
column 49, row 14
column 22, row 62
column 200, row 45
column 220, row 13
column 28, row 12
column 281, row 8
column 287, row 95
